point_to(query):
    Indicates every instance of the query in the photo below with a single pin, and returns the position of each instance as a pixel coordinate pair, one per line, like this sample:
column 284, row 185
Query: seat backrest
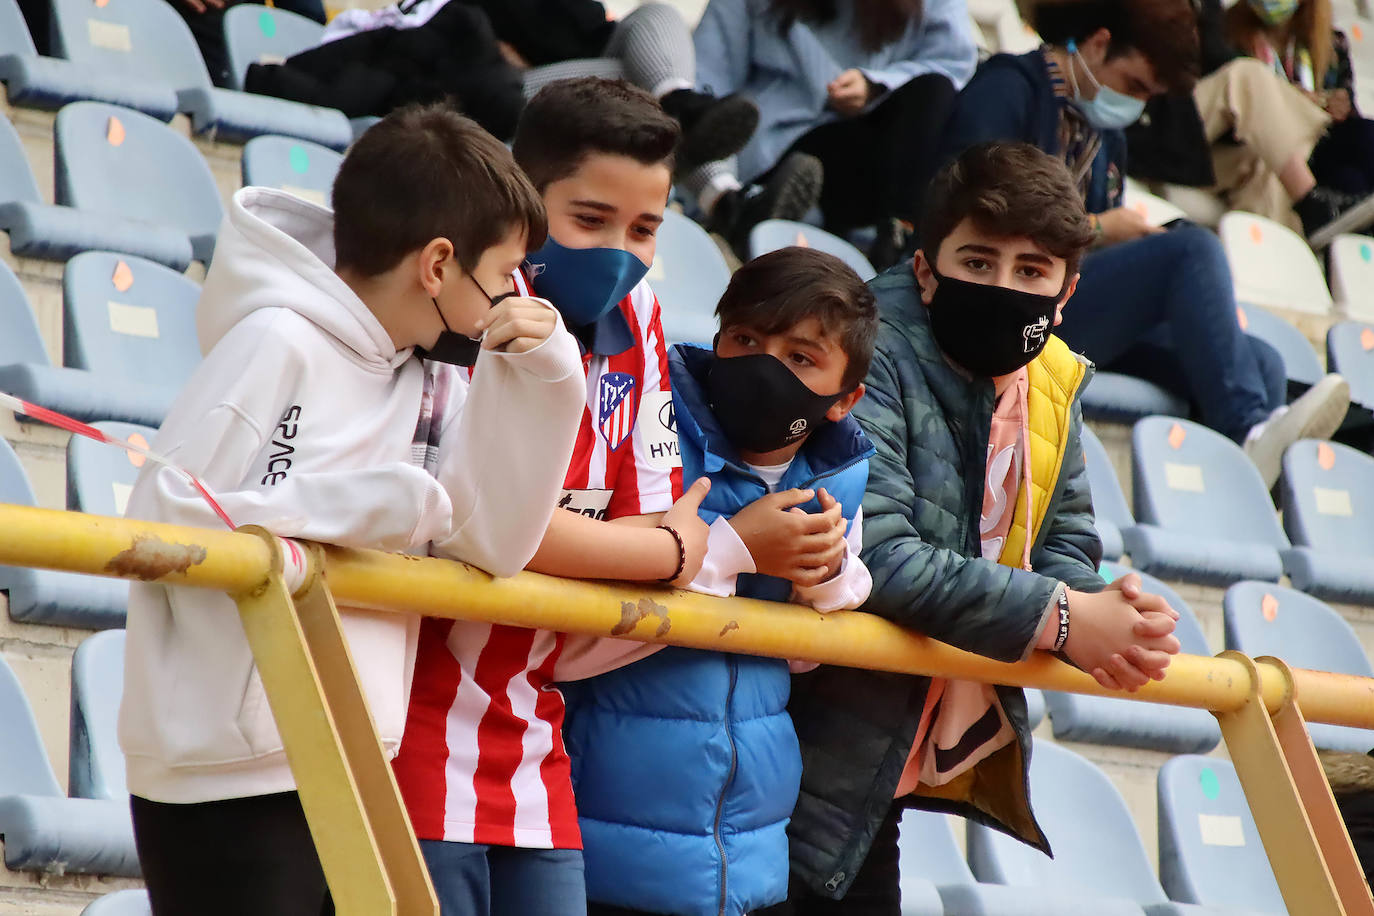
column 1191, row 479
column 96, row 764
column 1350, row 351
column 1096, row 847
column 1209, row 849
column 298, row 166
column 24, row 767
column 126, row 317
column 121, row 903
column 1300, row 362
column 1262, row 618
column 256, row 34
column 139, row 39
column 772, row 234
column 14, row 482
column 1273, row 266
column 100, row 477
column 1328, row 497
column 1352, row 274
column 928, row 849
column 118, row 161
column 17, row 183
column 1155, row 210
column 689, row 275
column 14, row 31
column 1108, row 500
column 1188, row 629
column 20, row 340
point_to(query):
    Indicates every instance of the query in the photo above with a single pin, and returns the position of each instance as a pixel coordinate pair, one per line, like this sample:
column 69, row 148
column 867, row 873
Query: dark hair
column 1164, row 31
column 568, row 120
column 878, row 22
column 1010, row 190
column 783, row 288
column 425, row 172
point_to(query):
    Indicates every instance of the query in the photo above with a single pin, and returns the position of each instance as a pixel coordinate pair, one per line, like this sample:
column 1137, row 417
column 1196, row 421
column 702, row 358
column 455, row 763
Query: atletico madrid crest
column 617, row 414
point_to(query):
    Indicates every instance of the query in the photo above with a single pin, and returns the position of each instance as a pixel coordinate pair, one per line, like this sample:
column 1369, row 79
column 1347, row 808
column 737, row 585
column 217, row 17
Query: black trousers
column 1344, row 157
column 877, row 165
column 876, row 891
column 241, row 857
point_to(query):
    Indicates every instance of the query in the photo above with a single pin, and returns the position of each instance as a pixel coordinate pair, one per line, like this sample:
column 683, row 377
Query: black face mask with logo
column 989, row 330
column 761, row 405
column 452, row 347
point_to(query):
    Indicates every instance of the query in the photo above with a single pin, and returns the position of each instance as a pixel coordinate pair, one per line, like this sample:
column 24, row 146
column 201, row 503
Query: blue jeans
column 1163, row 307
column 476, row 880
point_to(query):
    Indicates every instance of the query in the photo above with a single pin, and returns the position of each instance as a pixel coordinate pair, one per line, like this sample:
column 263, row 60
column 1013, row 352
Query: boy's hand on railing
column 1123, row 641
column 517, row 324
column 790, row 543
column 684, row 517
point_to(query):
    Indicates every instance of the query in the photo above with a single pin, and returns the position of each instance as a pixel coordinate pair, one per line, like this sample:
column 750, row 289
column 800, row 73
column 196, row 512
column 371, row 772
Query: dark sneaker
column 790, row 193
column 894, row 235
column 712, row 128
column 1327, row 213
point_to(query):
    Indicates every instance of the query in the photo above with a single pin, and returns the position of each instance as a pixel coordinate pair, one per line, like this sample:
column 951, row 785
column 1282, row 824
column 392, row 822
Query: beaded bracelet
column 681, row 553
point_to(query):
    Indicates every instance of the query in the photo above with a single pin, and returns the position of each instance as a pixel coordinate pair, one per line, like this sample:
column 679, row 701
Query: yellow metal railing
column 368, row 849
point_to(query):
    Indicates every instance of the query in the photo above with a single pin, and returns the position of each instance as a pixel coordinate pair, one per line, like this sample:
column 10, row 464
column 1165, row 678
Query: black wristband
column 1063, row 636
column 681, row 553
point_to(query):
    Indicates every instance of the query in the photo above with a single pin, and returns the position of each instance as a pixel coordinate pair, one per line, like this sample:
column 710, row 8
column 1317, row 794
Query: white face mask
column 1109, row 110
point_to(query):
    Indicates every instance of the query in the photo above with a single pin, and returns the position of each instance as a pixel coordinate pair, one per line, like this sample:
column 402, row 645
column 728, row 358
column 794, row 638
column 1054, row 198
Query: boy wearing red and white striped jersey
column 482, row 766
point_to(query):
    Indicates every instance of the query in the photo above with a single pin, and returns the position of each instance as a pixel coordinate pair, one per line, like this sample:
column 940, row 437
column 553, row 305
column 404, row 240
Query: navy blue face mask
column 584, row 284
column 452, row 347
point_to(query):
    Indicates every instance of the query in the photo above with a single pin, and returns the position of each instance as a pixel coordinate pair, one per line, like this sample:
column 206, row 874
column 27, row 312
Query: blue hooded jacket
column 685, row 764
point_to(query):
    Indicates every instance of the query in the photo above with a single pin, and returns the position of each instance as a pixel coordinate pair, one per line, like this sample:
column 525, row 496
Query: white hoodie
column 301, row 418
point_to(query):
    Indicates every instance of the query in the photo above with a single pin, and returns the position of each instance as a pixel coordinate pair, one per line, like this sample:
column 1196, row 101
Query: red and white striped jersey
column 482, row 759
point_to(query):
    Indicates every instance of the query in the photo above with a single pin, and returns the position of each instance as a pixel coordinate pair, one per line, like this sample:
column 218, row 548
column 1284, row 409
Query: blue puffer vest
column 685, row 764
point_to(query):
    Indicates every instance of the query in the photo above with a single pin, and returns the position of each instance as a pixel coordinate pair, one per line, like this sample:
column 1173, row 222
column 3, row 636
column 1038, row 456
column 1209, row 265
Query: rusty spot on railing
column 732, row 625
column 631, row 613
column 150, row 558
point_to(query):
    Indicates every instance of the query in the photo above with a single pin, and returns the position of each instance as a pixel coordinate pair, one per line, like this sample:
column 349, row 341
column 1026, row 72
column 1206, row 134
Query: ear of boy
column 841, row 408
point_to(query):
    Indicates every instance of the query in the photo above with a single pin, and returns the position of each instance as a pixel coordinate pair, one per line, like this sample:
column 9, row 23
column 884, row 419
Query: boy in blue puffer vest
column 685, row 764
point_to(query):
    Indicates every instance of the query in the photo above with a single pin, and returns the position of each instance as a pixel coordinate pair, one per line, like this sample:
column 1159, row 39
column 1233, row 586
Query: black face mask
column 761, row 405
column 989, row 330
column 452, row 347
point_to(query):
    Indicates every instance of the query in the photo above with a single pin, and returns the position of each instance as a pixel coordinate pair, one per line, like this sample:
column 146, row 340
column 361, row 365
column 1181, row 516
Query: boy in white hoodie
column 310, row 415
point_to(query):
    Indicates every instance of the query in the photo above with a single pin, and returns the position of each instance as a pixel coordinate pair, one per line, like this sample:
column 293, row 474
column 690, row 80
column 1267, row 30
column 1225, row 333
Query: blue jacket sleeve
column 943, row 44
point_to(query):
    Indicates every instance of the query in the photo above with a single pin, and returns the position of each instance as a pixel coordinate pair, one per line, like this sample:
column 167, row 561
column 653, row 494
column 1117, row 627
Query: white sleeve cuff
column 847, row 590
column 726, row 559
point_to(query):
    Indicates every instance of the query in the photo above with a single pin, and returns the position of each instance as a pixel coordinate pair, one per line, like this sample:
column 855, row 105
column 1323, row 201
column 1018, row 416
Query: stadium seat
column 1266, row 619
column 1035, row 707
column 1096, row 848
column 41, row 230
column 1126, row 723
column 688, row 275
column 772, row 234
column 47, row 596
column 100, row 477
column 132, row 324
column 1202, row 511
column 1111, row 513
column 95, row 765
column 1352, row 275
column 1116, row 398
column 1350, row 351
column 1328, row 513
column 256, row 34
column 295, row 166
column 1273, row 266
column 117, row 161
column 145, row 42
column 43, row 829
column 121, row 903
column 1154, row 209
column 930, row 861
column 1209, row 849
column 1300, row 362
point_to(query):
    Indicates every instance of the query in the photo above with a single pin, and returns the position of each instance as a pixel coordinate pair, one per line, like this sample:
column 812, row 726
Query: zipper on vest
column 729, row 778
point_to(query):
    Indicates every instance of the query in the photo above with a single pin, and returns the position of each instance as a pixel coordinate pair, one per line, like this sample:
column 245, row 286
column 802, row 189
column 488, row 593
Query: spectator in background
column 1154, row 303
column 206, row 20
column 854, row 93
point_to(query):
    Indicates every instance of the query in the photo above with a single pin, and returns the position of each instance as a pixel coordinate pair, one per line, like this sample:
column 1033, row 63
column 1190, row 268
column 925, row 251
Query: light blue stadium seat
column 1300, row 361
column 1127, row 723
column 132, row 324
column 361, row 124
column 1035, row 707
column 1112, row 515
column 1350, row 351
column 121, row 903
column 1209, row 849
column 689, row 275
column 1328, row 512
column 298, row 166
column 146, row 43
column 117, row 161
column 1266, row 619
column 95, row 766
column 772, row 234
column 1202, row 511
column 1096, row 847
column 41, row 230
column 47, row 596
column 43, row 829
column 255, row 34
column 101, row 477
column 930, row 860
column 1118, row 398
